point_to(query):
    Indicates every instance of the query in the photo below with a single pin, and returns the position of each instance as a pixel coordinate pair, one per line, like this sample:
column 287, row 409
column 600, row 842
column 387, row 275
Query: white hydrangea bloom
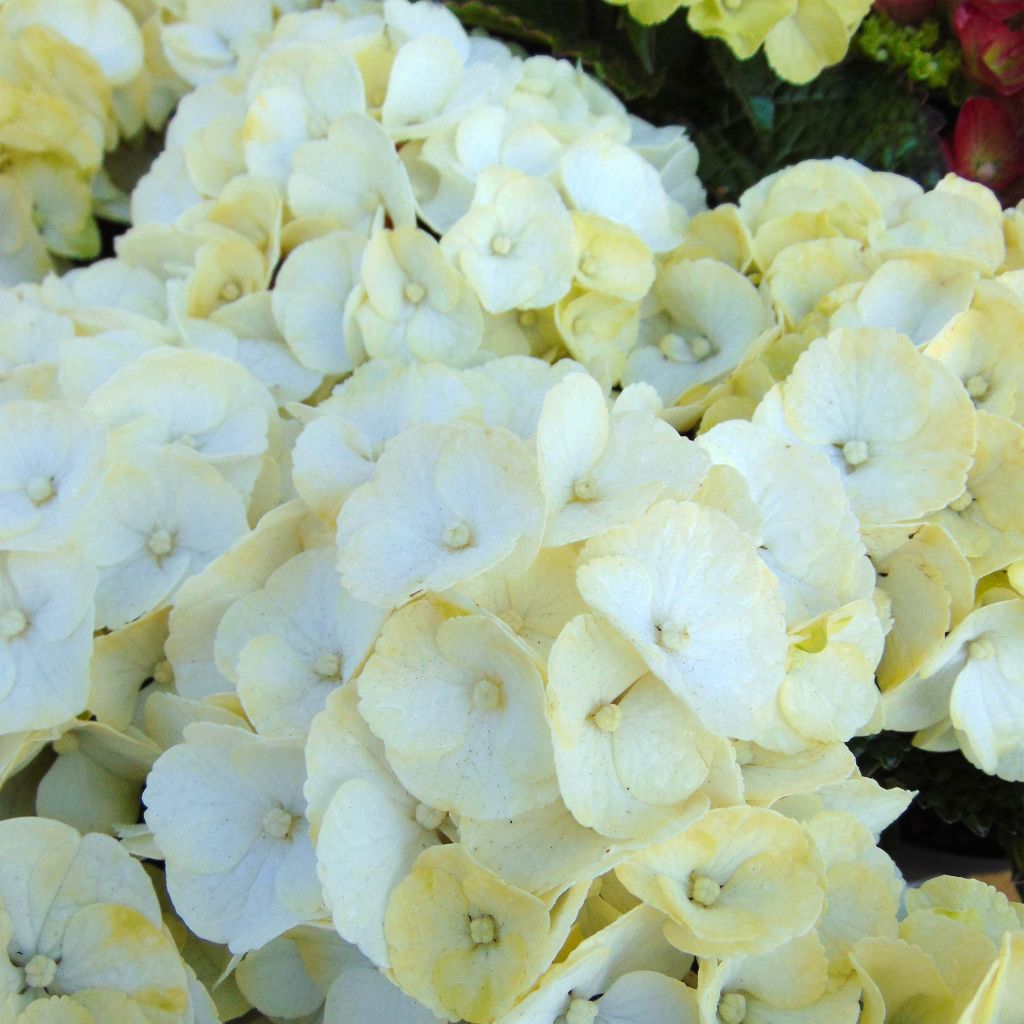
column 160, row 517
column 459, row 704
column 226, row 810
column 687, row 589
column 515, row 245
column 50, row 472
column 290, row 643
column 447, row 502
column 46, row 627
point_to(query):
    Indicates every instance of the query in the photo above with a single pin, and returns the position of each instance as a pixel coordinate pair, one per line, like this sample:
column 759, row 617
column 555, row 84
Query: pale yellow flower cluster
column 76, row 78
column 800, row 37
column 893, row 348
column 457, row 684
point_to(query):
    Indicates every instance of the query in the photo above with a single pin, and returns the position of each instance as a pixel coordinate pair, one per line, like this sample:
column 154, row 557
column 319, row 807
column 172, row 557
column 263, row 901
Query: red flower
column 988, row 144
column 993, row 43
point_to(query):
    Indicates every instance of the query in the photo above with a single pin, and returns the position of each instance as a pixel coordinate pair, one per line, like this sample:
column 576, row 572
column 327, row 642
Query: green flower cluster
column 914, row 48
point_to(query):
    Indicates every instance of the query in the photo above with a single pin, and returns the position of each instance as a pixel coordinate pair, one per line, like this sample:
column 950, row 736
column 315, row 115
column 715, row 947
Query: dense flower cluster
column 346, row 521
column 76, row 78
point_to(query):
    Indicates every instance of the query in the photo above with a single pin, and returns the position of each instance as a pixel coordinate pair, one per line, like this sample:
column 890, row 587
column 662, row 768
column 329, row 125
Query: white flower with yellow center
column 600, row 470
column 739, row 882
column 289, row 644
column 50, row 472
column 807, row 534
column 159, row 518
column 459, row 704
column 515, row 245
column 462, row 941
column 412, row 304
column 369, row 828
column 629, row 754
column 349, row 176
column 83, row 937
column 710, row 317
column 447, row 502
column 296, row 90
column 687, row 589
column 897, row 425
column 226, row 810
column 46, row 625
column 201, row 401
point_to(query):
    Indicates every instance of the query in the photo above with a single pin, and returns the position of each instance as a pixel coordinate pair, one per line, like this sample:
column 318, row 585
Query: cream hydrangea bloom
column 411, row 303
column 446, row 503
column 50, row 472
column 985, row 521
column 462, row 941
column 610, row 258
column 201, row 401
column 897, row 425
column 226, row 810
column 289, row 644
column 345, row 434
column 807, row 534
column 46, row 626
column 599, row 469
column 628, row 753
column 160, row 516
column 710, row 316
column 459, row 704
column 789, row 984
column 516, row 242
column 369, row 828
column 687, row 589
column 536, row 604
column 740, row 882
column 350, row 176
column 83, row 935
column 625, row 973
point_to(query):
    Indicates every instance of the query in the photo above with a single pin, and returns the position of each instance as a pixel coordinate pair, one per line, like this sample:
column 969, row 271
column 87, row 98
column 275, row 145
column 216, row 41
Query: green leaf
column 948, row 785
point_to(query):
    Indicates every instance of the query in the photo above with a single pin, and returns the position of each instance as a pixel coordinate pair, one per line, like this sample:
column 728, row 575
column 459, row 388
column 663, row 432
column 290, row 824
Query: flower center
column 231, row 291
column 704, row 890
column 414, row 292
column 429, row 817
column 701, row 347
column 163, row 673
column 187, row 440
column 963, row 503
column 277, row 823
column 987, row 171
column 456, row 536
column 328, row 666
column 501, row 245
column 482, row 930
column 486, row 695
column 527, row 318
column 66, row 744
column 608, row 717
column 317, row 125
column 512, row 619
column 12, row 623
column 980, row 649
column 581, row 1011
column 588, row 264
column 39, row 489
column 977, row 386
column 585, row 489
column 40, row 971
column 855, row 453
column 160, row 543
column 672, row 637
column 733, row 1008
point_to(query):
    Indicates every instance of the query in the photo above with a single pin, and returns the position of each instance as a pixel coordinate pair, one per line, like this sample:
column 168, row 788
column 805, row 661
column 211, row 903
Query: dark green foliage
column 947, row 784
